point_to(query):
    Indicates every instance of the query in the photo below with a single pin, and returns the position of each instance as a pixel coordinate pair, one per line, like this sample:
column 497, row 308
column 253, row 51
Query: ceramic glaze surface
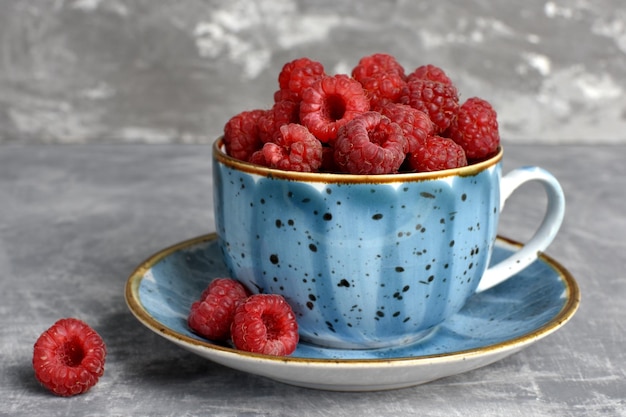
column 363, row 264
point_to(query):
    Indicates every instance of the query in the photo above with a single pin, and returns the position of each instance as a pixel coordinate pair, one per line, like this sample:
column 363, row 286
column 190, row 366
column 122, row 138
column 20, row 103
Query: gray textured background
column 160, row 71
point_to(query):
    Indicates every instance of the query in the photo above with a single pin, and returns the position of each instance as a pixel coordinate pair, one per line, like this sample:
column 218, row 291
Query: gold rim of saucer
column 133, row 301
column 234, row 163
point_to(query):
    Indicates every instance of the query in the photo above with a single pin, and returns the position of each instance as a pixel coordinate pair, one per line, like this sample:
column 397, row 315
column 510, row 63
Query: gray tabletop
column 76, row 219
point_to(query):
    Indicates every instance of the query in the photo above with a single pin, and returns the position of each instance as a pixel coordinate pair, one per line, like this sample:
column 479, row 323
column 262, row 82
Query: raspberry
column 241, row 134
column 376, row 64
column 430, row 72
column 283, row 112
column 258, row 158
column 69, row 357
column 437, row 153
column 212, row 315
column 296, row 76
column 330, row 103
column 440, row 101
column 476, row 129
column 265, row 324
column 383, row 88
column 416, row 125
column 295, row 150
column 280, row 95
column 370, row 144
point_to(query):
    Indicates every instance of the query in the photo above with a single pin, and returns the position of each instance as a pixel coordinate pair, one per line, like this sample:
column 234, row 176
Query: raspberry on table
column 296, row 149
column 370, row 144
column 416, row 125
column 296, row 76
column 440, row 101
column 430, row 72
column 266, row 324
column 212, row 315
column 437, row 153
column 241, row 134
column 376, row 64
column 69, row 357
column 330, row 103
column 476, row 129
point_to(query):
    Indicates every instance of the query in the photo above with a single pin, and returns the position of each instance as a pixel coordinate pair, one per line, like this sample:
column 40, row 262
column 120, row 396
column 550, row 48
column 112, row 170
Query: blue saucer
column 492, row 325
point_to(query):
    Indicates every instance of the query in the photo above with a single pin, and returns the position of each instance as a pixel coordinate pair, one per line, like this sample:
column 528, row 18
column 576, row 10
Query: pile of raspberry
column 257, row 323
column 379, row 120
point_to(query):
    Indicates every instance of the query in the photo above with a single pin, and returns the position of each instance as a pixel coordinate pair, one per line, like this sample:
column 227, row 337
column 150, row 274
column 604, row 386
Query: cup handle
column 544, row 235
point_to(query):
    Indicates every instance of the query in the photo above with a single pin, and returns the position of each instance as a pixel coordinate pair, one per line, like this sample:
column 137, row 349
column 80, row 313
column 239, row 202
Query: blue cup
column 371, row 261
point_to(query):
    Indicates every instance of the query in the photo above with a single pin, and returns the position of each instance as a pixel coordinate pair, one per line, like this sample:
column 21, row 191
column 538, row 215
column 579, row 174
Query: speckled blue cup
column 371, row 261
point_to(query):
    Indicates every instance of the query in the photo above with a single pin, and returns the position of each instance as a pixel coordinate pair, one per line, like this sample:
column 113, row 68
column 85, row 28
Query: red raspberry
column 283, row 112
column 258, row 158
column 383, row 88
column 241, row 134
column 416, row 125
column 370, row 144
column 437, row 153
column 212, row 315
column 476, row 129
column 265, row 324
column 376, row 64
column 430, row 72
column 330, row 103
column 296, row 76
column 440, row 101
column 280, row 95
column 295, row 150
column 69, row 357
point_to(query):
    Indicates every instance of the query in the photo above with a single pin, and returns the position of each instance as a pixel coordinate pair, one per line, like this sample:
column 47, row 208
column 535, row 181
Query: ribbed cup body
column 365, row 261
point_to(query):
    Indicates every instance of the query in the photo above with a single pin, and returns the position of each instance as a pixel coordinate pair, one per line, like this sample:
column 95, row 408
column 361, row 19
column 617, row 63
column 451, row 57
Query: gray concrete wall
column 164, row 71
